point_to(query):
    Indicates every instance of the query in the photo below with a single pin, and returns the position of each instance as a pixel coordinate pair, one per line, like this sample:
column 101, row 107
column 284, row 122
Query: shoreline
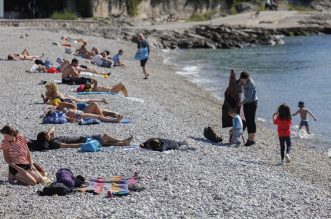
column 194, row 74
column 212, row 181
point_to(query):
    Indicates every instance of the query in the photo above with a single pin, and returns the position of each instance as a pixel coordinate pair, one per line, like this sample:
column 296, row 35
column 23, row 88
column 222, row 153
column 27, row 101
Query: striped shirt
column 18, row 150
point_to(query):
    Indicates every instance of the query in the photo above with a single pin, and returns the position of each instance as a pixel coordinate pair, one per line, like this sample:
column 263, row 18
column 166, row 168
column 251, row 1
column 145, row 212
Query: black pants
column 282, row 141
column 250, row 112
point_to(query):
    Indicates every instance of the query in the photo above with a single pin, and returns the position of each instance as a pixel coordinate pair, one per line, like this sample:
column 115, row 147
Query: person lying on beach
column 303, row 115
column 101, row 60
column 117, row 59
column 18, row 157
column 161, row 144
column 72, row 40
column 25, row 55
column 83, row 52
column 54, row 97
column 48, row 141
column 71, row 73
column 73, row 115
column 88, row 87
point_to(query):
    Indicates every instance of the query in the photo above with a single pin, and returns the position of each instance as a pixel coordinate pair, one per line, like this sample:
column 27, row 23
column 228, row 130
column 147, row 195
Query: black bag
column 55, row 188
column 211, row 135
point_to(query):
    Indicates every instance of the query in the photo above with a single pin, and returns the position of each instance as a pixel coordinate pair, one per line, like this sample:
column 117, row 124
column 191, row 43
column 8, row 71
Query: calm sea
column 299, row 70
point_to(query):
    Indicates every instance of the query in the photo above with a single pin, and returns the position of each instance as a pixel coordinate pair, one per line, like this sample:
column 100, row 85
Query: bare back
column 303, row 114
column 70, row 71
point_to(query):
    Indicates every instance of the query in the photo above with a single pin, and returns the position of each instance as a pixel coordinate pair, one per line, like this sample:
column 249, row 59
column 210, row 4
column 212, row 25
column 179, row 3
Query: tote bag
column 141, row 54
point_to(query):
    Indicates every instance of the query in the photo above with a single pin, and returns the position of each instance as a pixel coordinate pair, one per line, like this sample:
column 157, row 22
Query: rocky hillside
column 202, row 9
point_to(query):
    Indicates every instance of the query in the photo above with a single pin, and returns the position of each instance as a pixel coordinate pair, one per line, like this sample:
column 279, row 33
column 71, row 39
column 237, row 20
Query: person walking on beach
column 284, row 122
column 18, row 157
column 250, row 105
column 142, row 43
column 303, row 115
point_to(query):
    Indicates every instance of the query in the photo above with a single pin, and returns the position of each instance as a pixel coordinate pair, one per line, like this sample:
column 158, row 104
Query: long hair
column 232, row 90
column 284, row 112
column 8, row 130
column 53, row 87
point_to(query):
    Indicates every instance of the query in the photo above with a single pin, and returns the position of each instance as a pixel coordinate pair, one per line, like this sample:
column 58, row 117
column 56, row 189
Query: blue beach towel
column 141, row 54
column 93, row 92
column 89, row 121
column 55, row 117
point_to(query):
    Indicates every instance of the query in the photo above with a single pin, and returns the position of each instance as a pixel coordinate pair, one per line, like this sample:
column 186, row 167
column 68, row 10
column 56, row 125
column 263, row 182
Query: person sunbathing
column 25, row 55
column 83, row 52
column 88, row 87
column 48, row 141
column 71, row 73
column 102, row 60
column 74, row 115
column 54, row 97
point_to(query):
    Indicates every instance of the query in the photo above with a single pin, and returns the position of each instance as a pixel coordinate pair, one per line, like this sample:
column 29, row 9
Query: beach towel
column 89, row 121
column 116, row 185
column 141, row 54
column 94, row 92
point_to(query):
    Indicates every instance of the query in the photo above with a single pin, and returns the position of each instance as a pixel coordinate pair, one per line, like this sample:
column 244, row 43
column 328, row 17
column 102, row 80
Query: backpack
column 90, row 145
column 55, row 117
column 211, row 135
column 66, row 177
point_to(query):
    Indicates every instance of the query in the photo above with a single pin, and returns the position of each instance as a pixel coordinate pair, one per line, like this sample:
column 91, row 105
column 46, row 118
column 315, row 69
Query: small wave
column 261, row 119
column 190, row 68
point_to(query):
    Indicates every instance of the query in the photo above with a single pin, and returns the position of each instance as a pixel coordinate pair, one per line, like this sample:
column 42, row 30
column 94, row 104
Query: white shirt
column 97, row 59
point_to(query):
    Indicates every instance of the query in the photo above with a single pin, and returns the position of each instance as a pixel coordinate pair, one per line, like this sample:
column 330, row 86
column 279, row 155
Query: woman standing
column 142, row 43
column 250, row 106
column 18, row 157
column 231, row 100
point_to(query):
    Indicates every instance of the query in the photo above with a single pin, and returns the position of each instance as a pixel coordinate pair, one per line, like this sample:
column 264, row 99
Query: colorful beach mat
column 116, row 185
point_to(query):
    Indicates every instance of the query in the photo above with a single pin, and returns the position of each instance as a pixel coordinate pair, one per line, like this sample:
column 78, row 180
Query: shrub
column 64, row 15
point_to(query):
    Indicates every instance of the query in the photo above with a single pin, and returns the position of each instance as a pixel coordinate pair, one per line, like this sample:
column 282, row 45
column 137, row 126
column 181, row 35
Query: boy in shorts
column 303, row 115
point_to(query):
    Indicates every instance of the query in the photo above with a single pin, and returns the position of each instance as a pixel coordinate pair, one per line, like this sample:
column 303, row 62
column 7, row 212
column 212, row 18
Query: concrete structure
column 33, row 9
column 2, row 8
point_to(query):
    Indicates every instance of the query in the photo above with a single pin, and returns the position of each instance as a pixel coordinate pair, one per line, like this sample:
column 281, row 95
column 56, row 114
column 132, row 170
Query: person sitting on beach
column 71, row 73
column 83, row 52
column 74, row 115
column 25, row 55
column 284, row 122
column 18, row 157
column 102, row 60
column 237, row 127
column 117, row 59
column 54, row 97
column 97, row 88
column 48, row 141
column 303, row 111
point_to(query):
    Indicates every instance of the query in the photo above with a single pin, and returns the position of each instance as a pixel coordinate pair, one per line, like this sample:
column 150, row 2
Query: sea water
column 299, row 70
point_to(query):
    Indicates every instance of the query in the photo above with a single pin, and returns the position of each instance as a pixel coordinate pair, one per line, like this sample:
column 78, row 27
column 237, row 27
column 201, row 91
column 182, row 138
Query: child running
column 237, row 127
column 284, row 122
column 303, row 115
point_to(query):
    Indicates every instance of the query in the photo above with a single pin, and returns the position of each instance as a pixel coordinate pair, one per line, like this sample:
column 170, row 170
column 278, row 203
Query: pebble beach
column 212, row 181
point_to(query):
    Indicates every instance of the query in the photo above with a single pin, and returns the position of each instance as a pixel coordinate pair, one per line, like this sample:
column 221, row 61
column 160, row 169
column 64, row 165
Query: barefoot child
column 237, row 127
column 284, row 122
column 303, row 115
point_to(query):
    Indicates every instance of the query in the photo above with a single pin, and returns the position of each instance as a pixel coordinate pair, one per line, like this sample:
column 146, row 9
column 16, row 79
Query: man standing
column 142, row 43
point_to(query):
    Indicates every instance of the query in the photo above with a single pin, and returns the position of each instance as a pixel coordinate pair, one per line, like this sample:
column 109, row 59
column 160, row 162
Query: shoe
column 281, row 163
column 249, row 142
column 287, row 158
